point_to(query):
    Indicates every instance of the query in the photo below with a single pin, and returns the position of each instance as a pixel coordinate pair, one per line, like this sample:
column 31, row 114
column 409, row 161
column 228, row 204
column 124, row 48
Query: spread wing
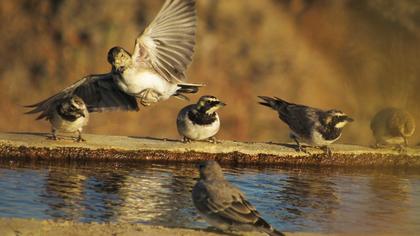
column 225, row 202
column 167, row 44
column 99, row 92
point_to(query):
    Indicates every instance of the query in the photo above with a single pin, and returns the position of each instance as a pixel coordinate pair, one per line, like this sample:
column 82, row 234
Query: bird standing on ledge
column 200, row 121
column 312, row 125
column 392, row 126
column 67, row 115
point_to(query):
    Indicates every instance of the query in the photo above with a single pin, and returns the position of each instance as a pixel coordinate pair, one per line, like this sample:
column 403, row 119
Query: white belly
column 197, row 132
column 134, row 82
column 62, row 125
column 318, row 140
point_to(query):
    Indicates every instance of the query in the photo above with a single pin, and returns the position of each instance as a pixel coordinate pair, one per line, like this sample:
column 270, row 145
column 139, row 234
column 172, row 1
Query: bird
column 392, row 127
column 316, row 127
column 67, row 115
column 200, row 121
column 223, row 205
column 154, row 72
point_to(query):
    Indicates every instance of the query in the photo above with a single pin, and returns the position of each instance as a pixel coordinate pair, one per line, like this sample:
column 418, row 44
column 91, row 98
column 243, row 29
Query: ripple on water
column 292, row 199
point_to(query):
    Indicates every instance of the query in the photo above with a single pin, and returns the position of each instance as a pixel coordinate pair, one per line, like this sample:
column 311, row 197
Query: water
column 292, row 199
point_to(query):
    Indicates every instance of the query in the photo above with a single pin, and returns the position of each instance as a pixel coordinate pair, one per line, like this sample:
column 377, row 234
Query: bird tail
column 186, row 88
column 274, row 103
column 267, row 228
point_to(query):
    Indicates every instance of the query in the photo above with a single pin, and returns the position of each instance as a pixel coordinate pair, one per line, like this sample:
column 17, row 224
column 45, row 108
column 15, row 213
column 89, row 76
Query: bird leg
column 149, row 96
column 299, row 148
column 79, row 137
column 53, row 135
column 327, row 150
column 213, row 140
column 186, row 140
column 405, row 141
column 400, row 148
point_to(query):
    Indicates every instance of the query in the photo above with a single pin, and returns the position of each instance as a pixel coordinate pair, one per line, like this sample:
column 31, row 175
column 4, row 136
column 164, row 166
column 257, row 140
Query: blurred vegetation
column 355, row 55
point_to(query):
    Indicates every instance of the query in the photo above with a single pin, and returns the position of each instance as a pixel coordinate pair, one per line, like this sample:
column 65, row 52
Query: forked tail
column 187, row 88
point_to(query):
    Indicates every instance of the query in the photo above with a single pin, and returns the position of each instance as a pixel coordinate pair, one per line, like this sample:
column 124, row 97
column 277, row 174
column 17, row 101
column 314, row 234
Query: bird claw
column 149, row 96
column 400, row 148
column 327, row 151
column 213, row 140
column 53, row 137
column 186, row 140
column 300, row 148
column 80, row 139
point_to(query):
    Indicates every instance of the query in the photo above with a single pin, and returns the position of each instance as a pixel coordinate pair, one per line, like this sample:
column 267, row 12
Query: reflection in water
column 63, row 193
column 308, row 202
column 385, row 189
column 291, row 199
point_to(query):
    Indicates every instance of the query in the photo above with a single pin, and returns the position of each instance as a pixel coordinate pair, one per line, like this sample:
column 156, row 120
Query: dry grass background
column 355, row 55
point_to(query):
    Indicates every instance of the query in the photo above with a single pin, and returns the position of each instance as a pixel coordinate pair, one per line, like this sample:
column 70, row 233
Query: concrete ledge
column 120, row 148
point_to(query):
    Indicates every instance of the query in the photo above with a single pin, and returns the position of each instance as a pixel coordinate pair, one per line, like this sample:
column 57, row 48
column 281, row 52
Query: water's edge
column 14, row 226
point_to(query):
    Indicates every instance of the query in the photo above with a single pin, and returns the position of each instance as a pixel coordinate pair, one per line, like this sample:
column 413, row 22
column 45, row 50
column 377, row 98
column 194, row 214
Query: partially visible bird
column 155, row 71
column 200, row 121
column 314, row 126
column 223, row 205
column 67, row 115
column 392, row 126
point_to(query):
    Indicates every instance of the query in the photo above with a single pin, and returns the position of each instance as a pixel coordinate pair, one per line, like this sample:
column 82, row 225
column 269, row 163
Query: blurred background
column 355, row 55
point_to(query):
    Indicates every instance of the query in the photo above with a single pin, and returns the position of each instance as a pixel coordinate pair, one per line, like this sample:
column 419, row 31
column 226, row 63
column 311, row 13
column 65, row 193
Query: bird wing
column 167, row 44
column 299, row 118
column 227, row 202
column 99, row 92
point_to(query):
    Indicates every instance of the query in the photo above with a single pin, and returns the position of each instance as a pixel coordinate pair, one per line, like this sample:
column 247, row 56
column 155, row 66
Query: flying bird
column 154, row 72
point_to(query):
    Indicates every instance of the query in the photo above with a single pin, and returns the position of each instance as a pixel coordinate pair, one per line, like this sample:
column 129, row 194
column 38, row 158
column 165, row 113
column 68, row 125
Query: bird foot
column 327, row 151
column 400, row 148
column 186, row 140
column 149, row 96
column 300, row 148
column 53, row 137
column 80, row 139
column 213, row 140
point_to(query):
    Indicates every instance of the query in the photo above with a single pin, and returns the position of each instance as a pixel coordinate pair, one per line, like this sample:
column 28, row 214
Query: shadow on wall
column 358, row 56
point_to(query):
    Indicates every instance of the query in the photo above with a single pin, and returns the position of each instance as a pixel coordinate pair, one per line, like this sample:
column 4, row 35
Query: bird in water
column 223, row 205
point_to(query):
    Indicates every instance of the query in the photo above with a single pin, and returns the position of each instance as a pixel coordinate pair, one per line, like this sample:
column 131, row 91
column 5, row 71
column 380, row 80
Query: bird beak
column 120, row 69
column 349, row 119
column 81, row 113
column 221, row 104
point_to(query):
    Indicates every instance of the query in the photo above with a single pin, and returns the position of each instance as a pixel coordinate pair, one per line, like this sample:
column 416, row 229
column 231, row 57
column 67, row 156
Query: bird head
column 119, row 58
column 209, row 104
column 75, row 106
column 210, row 170
column 337, row 119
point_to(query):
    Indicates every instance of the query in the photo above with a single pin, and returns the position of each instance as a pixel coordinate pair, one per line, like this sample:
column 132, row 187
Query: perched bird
column 314, row 126
column 67, row 115
column 155, row 71
column 223, row 205
column 200, row 121
column 392, row 126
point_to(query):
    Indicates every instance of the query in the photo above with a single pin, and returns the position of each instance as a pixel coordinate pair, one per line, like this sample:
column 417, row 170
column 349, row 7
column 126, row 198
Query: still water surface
column 292, row 199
